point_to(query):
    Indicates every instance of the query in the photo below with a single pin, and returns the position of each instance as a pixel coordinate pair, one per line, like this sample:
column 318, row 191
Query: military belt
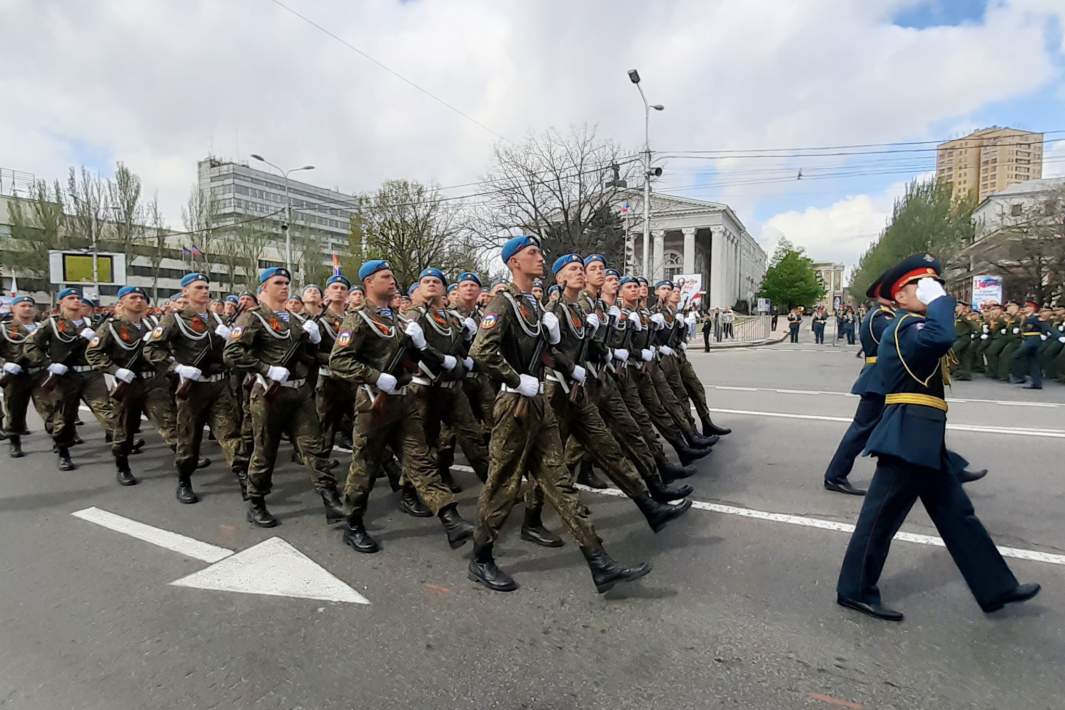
column 81, row 368
column 426, row 382
column 213, row 378
column 146, row 374
column 870, row 360
column 923, row 400
column 514, row 390
column 325, row 372
column 1030, row 334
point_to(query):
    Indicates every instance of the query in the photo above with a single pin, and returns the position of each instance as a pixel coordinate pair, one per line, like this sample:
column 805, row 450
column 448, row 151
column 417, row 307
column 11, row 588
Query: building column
column 715, row 289
column 689, row 250
column 659, row 249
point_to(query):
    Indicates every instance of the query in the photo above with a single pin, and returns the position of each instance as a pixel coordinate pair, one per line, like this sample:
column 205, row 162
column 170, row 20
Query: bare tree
column 560, row 188
column 38, row 225
column 1029, row 248
column 158, row 242
column 252, row 241
column 200, row 216
column 89, row 196
column 127, row 214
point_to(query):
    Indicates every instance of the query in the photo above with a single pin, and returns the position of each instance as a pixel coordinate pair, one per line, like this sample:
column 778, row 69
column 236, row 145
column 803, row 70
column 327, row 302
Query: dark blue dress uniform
column 871, row 404
column 913, row 462
column 1029, row 350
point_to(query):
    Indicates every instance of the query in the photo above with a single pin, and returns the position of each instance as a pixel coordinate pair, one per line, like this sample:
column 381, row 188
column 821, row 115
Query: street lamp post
column 288, row 205
column 634, row 77
column 93, row 228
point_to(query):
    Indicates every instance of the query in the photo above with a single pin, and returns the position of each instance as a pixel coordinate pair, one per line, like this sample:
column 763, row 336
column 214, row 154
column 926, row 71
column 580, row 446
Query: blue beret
column 371, row 267
column 642, row 280
column 554, row 288
column 613, row 272
column 21, row 299
column 538, row 283
column 193, row 277
column 628, row 280
column 249, row 294
column 338, row 279
column 232, row 298
column 594, row 257
column 516, row 244
column 127, row 290
column 435, row 273
column 468, row 276
column 663, row 282
column 316, row 287
column 563, row 261
column 452, row 287
column 67, row 292
column 411, row 289
column 267, row 274
column 89, row 301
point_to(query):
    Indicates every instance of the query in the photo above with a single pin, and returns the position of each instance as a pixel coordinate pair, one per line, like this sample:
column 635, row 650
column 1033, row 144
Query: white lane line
column 157, row 536
column 1009, row 431
column 955, row 400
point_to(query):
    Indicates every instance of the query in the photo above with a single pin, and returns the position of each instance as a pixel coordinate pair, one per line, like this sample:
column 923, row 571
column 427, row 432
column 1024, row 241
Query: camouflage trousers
column 397, row 423
column 448, row 419
column 640, row 392
column 18, row 392
column 694, row 387
column 61, row 404
column 291, row 412
column 208, row 403
column 671, row 392
column 151, row 396
column 528, row 447
column 581, row 420
column 334, row 401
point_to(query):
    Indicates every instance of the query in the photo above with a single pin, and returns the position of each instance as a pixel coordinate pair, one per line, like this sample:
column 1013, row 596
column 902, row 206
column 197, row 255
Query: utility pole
column 287, row 226
column 634, row 77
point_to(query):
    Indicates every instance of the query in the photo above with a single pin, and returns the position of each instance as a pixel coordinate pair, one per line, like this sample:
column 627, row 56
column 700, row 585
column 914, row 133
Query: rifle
column 119, row 392
column 182, row 391
column 393, row 365
column 582, row 353
column 274, row 387
column 538, row 353
column 49, row 382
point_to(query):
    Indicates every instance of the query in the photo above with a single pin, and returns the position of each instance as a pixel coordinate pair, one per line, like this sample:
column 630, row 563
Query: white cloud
column 1054, row 160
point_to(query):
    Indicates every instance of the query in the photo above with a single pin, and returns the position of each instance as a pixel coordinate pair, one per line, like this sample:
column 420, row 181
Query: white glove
column 1061, row 339
column 1016, row 330
column 592, row 320
column 125, row 375
column 187, row 372
column 529, row 386
column 312, row 331
column 684, row 346
column 223, row 331
column 468, row 363
column 417, row 335
column 471, row 328
column 550, row 321
column 1043, row 336
column 986, row 328
column 450, row 362
column 928, row 290
column 659, row 320
column 666, row 350
column 637, row 322
column 646, row 354
column 277, row 373
column 614, row 311
column 12, row 368
column 386, row 382
column 621, row 354
column 1002, row 332
column 579, row 373
column 983, row 337
column 58, row 369
column 87, row 333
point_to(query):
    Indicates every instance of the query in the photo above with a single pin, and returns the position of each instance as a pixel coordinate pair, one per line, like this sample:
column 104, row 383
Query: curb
column 755, row 344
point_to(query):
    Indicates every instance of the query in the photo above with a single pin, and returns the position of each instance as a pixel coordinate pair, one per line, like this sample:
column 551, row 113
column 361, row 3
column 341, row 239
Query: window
column 1015, row 210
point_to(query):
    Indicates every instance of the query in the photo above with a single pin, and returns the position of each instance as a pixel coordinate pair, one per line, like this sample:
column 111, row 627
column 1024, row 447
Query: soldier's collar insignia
column 386, row 312
column 275, row 323
column 197, row 324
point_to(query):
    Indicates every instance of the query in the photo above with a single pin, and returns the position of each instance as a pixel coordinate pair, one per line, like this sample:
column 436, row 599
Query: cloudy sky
column 160, row 84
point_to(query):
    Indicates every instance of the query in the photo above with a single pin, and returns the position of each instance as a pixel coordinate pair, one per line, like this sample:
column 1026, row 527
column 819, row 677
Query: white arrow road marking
column 157, row 536
column 274, row 568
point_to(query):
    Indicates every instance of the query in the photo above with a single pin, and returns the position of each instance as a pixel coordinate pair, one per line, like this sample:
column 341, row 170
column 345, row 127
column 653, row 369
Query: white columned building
column 691, row 236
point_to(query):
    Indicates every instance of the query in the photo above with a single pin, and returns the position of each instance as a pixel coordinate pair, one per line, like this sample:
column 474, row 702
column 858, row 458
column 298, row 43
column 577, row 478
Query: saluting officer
column 269, row 343
column 20, row 377
column 525, row 438
column 912, row 459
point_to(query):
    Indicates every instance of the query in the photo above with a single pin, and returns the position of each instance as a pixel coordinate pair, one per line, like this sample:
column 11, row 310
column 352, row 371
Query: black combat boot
column 458, row 529
column 663, row 493
column 241, row 474
column 334, row 507
column 606, row 572
column 185, row 494
column 710, row 428
column 393, row 472
column 702, row 442
column 483, row 570
column 63, row 457
column 297, row 457
column 533, row 530
column 410, row 504
column 658, row 514
column 449, row 481
column 688, row 455
column 203, row 462
column 136, row 446
column 356, row 537
column 15, row 442
column 122, row 473
column 586, row 476
column 258, row 515
column 672, row 472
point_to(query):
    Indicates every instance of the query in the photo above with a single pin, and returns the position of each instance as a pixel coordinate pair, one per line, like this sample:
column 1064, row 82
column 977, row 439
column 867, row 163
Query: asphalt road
column 739, row 610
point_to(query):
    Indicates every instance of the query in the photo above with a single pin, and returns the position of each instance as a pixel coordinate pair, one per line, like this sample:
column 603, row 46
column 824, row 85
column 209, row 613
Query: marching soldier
column 59, row 346
column 20, row 378
column 188, row 343
column 372, row 351
column 1027, row 355
column 479, row 388
column 134, row 384
column 334, row 397
column 271, row 344
column 912, row 459
column 525, row 437
column 963, row 341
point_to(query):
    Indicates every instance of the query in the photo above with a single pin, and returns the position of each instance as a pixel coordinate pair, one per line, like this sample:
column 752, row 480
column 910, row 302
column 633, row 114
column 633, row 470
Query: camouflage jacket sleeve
column 36, row 348
column 564, row 361
column 239, row 352
column 98, row 354
column 487, row 350
column 157, row 349
column 344, row 361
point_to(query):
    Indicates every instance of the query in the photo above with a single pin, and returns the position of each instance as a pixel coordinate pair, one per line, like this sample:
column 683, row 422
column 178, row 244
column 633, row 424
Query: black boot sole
column 868, row 610
column 487, row 585
column 271, row 524
column 634, row 574
column 364, row 549
column 456, row 542
column 128, row 481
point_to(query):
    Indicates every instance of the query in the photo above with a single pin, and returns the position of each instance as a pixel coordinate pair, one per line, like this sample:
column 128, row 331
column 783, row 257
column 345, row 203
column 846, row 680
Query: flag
column 336, row 265
column 14, row 286
column 624, row 208
column 195, row 251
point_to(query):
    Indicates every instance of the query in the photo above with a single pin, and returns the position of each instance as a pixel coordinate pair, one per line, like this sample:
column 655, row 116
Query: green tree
column 791, row 279
column 38, row 225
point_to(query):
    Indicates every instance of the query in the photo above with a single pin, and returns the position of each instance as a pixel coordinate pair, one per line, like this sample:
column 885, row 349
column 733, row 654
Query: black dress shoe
column 185, row 494
column 136, row 446
column 203, row 462
column 606, row 572
column 64, row 462
column 877, row 611
column 15, row 442
column 533, row 530
column 356, row 537
column 459, row 530
column 483, row 570
column 1022, row 593
column 125, row 477
column 970, row 476
column 410, row 504
column 1032, row 387
column 843, row 487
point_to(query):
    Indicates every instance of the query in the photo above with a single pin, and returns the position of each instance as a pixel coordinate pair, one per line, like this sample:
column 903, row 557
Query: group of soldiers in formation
column 533, row 395
column 1015, row 344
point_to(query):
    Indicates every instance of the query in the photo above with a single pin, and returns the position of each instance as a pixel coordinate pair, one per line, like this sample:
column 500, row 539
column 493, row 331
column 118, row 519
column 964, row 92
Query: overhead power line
column 856, row 145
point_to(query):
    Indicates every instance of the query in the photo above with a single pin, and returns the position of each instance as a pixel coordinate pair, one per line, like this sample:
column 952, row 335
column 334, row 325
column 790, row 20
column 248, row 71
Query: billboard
column 986, row 288
column 691, row 289
column 69, row 268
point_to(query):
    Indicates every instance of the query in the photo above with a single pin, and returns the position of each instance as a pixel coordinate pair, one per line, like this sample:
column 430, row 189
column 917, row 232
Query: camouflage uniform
column 334, row 396
column 20, row 388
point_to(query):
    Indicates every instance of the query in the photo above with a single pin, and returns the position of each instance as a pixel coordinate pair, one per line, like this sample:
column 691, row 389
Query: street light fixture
column 634, row 77
column 288, row 205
